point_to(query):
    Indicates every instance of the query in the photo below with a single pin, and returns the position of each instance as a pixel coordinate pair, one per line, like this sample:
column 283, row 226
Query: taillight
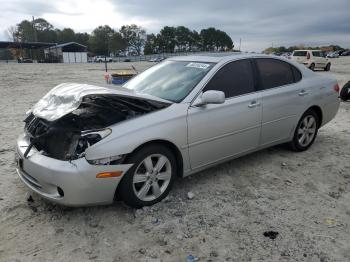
column 308, row 55
column 336, row 88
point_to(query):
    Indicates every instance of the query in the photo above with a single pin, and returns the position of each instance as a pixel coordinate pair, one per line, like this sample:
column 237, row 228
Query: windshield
column 170, row 80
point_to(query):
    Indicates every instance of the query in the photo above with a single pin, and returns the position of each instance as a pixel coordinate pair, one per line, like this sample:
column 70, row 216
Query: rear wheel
column 306, row 131
column 151, row 177
column 312, row 67
column 328, row 67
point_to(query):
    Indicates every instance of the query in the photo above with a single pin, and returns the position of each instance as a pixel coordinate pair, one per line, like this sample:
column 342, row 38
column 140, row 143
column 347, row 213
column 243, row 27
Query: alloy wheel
column 307, row 130
column 152, row 177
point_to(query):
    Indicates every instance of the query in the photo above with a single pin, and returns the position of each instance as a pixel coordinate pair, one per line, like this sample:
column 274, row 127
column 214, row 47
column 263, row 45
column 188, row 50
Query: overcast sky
column 258, row 23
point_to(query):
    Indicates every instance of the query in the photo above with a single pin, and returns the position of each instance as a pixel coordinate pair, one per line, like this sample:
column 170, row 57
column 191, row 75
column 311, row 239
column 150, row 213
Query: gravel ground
column 303, row 196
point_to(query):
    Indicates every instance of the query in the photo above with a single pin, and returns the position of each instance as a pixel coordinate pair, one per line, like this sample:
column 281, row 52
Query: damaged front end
column 65, row 135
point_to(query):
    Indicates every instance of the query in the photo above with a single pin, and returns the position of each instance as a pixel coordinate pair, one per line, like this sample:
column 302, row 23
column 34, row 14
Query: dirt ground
column 305, row 197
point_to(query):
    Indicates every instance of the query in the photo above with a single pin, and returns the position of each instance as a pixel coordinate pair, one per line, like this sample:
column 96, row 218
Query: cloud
column 258, row 23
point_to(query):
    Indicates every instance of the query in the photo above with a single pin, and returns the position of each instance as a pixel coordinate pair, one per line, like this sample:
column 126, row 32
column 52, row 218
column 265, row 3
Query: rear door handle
column 303, row 93
column 253, row 104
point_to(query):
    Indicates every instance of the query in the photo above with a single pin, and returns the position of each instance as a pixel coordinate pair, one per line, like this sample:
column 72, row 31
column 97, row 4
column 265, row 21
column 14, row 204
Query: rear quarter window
column 296, row 73
column 299, row 53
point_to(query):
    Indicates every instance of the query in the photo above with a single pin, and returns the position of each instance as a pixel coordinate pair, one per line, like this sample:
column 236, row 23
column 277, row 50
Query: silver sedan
column 87, row 145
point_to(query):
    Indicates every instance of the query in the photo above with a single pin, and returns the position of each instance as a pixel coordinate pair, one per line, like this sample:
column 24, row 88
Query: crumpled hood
column 65, row 98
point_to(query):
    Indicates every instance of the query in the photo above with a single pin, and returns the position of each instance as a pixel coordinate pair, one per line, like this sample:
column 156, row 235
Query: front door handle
column 253, row 104
column 303, row 93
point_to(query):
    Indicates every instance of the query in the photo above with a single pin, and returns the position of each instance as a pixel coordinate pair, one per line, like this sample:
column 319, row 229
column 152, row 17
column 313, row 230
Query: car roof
column 307, row 50
column 222, row 58
column 217, row 57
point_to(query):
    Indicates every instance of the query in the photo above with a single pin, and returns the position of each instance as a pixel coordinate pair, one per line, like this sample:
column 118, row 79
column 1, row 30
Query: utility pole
column 34, row 31
column 240, row 41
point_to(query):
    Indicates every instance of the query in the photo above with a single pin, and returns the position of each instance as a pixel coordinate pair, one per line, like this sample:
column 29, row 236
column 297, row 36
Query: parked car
column 157, row 59
column 25, row 60
column 333, row 55
column 101, row 58
column 345, row 53
column 286, row 55
column 312, row 59
column 87, row 145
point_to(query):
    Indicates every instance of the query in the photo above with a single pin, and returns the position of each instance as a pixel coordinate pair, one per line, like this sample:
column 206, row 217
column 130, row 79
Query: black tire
column 126, row 186
column 312, row 67
column 295, row 144
column 345, row 92
column 328, row 67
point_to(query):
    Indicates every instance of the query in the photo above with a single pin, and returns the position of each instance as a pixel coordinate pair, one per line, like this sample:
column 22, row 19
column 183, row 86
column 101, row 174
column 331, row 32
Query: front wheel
column 312, row 67
column 151, row 177
column 306, row 131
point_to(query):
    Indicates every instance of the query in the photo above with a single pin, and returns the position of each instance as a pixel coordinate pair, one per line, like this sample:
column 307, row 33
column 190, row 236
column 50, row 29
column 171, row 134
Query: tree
column 24, row 32
column 183, row 37
column 43, row 31
column 117, row 43
column 134, row 36
column 65, row 35
column 223, row 41
column 167, row 39
column 12, row 33
column 151, row 45
column 82, row 38
column 100, row 40
column 213, row 39
column 38, row 30
column 195, row 41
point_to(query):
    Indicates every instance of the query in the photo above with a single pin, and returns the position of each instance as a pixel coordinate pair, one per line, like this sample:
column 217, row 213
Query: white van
column 311, row 59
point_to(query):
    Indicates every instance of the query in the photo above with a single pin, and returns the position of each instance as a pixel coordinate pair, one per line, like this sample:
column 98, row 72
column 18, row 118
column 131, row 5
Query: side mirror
column 210, row 97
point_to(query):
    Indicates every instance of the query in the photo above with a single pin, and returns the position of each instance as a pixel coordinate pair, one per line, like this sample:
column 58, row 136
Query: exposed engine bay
column 67, row 137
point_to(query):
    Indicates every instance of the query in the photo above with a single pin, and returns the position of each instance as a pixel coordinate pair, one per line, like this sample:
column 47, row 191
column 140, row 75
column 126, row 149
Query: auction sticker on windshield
column 198, row 65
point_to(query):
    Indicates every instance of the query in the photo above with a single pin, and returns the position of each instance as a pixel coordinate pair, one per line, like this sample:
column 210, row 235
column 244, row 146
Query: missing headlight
column 89, row 138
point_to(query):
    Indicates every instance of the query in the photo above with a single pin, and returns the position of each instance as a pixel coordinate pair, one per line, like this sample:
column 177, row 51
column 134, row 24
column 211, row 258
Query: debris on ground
column 155, row 220
column 330, row 221
column 29, row 198
column 191, row 258
column 271, row 234
column 142, row 251
column 190, row 195
column 288, row 181
column 335, row 195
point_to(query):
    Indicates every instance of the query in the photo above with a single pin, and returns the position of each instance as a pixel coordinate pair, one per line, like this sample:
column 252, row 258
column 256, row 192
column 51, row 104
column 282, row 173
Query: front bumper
column 71, row 183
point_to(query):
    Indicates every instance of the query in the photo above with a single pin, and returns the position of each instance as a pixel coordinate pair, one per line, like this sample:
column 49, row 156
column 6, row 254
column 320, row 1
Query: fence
column 143, row 57
column 161, row 55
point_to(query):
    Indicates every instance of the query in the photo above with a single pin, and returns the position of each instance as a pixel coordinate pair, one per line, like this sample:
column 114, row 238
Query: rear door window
column 274, row 73
column 234, row 79
column 316, row 53
column 299, row 53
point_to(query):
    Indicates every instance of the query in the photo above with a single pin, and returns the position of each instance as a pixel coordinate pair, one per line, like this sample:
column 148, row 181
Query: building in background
column 71, row 52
